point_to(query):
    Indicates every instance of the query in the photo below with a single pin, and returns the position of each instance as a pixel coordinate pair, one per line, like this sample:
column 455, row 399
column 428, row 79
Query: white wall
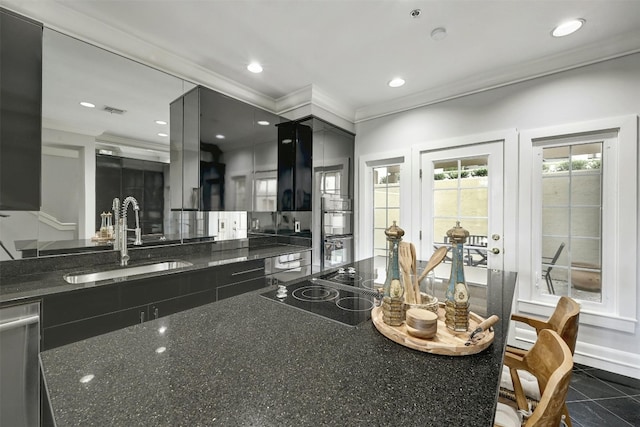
column 603, row 90
column 85, row 145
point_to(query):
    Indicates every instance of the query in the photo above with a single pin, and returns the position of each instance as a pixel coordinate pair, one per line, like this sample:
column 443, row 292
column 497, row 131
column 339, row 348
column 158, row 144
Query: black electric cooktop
column 346, row 295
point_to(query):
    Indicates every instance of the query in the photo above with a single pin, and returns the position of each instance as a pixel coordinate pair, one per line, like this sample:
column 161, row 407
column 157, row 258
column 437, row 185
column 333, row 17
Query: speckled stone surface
column 250, row 361
column 30, row 279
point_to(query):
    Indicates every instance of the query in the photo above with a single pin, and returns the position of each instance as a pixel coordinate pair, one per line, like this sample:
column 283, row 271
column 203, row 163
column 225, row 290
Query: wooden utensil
column 433, row 262
column 404, row 255
column 483, row 326
column 414, row 272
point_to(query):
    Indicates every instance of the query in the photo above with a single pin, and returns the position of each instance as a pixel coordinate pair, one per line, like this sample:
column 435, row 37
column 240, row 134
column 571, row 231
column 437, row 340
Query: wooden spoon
column 433, row 262
column 404, row 257
column 414, row 272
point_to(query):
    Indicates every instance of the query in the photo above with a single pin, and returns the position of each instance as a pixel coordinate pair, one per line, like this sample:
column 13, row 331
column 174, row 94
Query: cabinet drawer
column 287, row 262
column 76, row 331
column 72, row 306
column 242, row 287
column 239, row 272
column 153, row 289
column 175, row 305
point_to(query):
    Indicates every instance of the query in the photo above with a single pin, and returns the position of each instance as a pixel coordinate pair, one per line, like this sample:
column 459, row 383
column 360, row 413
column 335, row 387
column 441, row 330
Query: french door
column 465, row 184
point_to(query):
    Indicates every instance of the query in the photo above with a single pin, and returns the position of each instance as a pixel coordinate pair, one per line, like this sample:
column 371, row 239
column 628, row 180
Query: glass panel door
column 464, row 184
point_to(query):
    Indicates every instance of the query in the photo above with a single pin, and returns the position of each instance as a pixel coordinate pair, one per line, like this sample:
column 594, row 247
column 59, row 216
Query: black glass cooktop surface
column 346, row 295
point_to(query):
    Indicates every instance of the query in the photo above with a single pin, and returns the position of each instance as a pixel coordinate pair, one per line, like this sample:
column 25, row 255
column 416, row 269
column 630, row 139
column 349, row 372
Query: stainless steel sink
column 87, row 277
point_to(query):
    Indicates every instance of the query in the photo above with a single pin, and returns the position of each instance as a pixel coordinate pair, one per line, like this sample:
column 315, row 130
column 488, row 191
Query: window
column 386, row 204
column 266, row 194
column 578, row 203
column 330, row 182
column 239, row 184
column 571, row 179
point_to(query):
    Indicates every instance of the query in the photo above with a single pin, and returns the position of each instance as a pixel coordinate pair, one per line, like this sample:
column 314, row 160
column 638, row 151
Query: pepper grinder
column 457, row 297
column 393, row 299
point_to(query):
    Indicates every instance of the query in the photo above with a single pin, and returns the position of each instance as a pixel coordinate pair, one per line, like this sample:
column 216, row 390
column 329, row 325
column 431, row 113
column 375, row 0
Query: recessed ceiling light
column 87, row 104
column 439, row 33
column 162, row 134
column 263, row 123
column 568, row 27
column 220, row 136
column 397, row 82
column 254, row 67
column 161, row 122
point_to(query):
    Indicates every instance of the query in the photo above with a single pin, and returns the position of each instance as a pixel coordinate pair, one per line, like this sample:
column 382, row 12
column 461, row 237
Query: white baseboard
column 605, row 358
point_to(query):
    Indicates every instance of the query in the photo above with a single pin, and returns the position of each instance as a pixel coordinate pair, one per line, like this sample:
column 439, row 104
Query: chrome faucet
column 120, row 216
column 116, row 222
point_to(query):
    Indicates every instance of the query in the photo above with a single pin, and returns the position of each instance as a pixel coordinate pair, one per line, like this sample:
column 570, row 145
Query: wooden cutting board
column 446, row 341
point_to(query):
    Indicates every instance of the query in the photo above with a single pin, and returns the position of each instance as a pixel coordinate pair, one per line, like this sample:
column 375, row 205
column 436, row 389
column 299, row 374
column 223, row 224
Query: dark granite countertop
column 250, row 361
column 26, row 286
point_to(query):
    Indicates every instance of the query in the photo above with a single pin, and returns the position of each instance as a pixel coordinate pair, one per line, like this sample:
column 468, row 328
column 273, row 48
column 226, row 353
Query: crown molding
column 61, row 18
column 624, row 45
column 310, row 99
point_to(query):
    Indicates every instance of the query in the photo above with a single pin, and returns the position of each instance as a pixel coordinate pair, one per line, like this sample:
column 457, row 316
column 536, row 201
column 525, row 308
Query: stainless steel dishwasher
column 19, row 365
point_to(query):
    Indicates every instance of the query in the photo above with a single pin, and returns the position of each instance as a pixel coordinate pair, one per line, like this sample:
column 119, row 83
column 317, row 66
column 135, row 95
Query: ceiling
column 348, row 50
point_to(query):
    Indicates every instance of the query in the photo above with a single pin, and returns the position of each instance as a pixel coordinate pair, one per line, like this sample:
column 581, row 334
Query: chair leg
column 550, row 288
column 566, row 419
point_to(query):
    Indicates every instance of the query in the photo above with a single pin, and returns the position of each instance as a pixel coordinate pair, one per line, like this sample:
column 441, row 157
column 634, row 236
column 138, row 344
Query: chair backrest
column 555, row 257
column 551, row 362
column 565, row 321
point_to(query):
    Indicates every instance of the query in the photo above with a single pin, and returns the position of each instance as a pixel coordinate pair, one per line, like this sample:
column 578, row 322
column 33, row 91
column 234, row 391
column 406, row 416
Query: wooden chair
column 550, row 264
column 551, row 361
column 564, row 321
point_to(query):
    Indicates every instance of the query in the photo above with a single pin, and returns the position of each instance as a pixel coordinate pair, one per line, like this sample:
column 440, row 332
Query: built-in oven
column 337, row 231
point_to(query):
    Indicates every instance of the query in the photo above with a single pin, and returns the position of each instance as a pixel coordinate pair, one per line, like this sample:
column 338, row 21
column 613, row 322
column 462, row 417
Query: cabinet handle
column 155, row 312
column 238, row 273
column 142, row 317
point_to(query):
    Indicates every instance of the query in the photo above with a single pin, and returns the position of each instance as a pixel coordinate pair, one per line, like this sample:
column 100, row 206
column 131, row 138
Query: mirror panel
column 129, row 97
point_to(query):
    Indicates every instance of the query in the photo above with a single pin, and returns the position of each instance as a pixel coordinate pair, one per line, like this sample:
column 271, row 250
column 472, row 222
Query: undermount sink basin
column 85, row 277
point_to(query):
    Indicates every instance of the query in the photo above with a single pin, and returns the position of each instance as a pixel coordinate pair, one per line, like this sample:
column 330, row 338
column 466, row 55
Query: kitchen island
column 249, row 360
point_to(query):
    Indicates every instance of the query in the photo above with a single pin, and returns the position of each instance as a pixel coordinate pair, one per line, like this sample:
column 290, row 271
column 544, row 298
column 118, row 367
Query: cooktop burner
column 315, row 293
column 339, row 296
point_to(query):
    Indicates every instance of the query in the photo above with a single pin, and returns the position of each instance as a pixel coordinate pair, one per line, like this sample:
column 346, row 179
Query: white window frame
column 620, row 222
column 363, row 217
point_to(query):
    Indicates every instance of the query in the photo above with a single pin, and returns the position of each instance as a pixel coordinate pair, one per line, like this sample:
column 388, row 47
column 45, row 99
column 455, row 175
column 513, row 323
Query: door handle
column 495, row 251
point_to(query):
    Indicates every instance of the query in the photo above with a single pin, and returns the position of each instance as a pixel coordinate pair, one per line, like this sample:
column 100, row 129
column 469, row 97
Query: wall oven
column 337, row 231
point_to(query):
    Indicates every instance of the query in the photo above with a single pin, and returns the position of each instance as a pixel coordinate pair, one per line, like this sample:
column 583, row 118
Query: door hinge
column 420, row 235
column 420, row 173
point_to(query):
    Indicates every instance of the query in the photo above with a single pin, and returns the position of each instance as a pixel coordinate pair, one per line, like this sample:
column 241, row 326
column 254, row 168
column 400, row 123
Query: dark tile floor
column 602, row 399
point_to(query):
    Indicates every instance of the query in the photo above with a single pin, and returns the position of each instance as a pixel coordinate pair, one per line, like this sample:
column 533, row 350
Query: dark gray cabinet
column 84, row 313
column 295, row 173
column 238, row 278
column 20, row 112
column 212, row 140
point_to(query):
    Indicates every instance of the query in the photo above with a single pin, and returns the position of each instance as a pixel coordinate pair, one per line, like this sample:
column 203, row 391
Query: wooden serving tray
column 445, row 342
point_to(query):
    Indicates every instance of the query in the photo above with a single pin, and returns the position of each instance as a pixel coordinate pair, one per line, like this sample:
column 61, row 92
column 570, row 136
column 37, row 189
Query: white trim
column 59, row 152
column 587, row 317
column 621, row 312
column 53, row 222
